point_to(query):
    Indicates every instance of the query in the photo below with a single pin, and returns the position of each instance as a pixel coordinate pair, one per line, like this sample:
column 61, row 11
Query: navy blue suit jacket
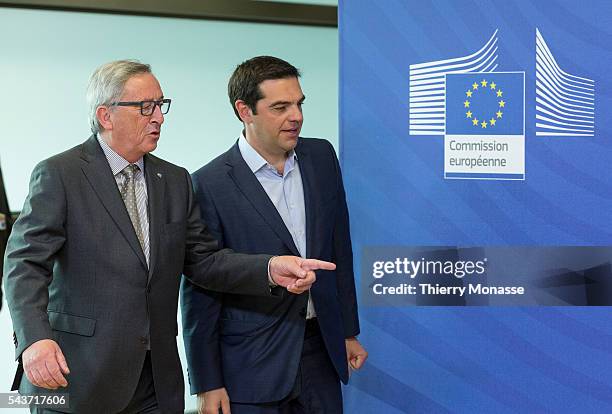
column 252, row 346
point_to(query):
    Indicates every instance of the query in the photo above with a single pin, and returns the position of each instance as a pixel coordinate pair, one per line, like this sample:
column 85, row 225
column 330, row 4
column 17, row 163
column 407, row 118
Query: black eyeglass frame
column 141, row 105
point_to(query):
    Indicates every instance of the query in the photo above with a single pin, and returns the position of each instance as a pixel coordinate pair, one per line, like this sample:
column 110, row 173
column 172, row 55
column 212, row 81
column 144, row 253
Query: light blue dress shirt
column 286, row 192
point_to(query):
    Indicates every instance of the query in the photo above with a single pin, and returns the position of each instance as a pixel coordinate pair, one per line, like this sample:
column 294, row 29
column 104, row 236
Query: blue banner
column 531, row 188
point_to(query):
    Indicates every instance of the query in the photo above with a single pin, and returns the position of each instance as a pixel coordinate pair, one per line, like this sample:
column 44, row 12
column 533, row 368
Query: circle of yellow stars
column 484, row 85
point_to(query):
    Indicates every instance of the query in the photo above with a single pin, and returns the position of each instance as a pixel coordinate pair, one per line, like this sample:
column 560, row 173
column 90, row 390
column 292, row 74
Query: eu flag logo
column 485, row 103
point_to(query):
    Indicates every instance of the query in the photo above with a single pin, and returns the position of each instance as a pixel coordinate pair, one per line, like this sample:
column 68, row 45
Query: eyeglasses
column 148, row 107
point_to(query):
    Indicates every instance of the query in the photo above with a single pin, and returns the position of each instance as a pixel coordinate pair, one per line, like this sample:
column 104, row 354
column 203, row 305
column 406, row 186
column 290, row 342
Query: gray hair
column 106, row 85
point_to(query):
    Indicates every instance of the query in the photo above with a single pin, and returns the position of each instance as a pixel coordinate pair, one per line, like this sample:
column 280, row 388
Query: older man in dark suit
column 94, row 261
column 274, row 191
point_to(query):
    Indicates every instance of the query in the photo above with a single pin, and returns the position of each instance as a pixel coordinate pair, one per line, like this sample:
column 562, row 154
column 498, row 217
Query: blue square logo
column 490, row 103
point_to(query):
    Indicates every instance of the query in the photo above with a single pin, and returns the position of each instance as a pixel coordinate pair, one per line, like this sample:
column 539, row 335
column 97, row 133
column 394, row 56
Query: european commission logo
column 481, row 111
column 485, row 126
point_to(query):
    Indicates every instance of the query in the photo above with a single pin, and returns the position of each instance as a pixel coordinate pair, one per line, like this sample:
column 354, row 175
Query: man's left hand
column 295, row 273
column 355, row 353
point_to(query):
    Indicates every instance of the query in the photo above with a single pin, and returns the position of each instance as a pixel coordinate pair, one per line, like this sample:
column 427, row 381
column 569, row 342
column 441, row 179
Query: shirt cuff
column 271, row 281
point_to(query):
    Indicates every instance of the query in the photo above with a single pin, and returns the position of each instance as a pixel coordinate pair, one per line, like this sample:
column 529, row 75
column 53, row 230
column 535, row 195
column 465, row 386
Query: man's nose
column 157, row 115
column 296, row 114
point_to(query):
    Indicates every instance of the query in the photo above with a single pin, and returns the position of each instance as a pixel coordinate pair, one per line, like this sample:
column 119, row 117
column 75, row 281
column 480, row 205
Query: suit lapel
column 252, row 189
column 98, row 173
column 307, row 172
column 156, row 187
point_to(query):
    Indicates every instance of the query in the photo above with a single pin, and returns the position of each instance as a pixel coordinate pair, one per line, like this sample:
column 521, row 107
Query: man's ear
column 104, row 118
column 245, row 113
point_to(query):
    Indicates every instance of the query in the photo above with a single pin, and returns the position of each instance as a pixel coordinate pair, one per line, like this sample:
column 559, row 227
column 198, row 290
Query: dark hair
column 244, row 83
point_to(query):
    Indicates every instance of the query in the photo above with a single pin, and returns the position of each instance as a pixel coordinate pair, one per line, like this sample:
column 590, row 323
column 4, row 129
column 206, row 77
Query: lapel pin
column 159, row 175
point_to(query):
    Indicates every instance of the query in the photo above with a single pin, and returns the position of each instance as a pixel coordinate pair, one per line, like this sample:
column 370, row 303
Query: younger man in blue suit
column 274, row 192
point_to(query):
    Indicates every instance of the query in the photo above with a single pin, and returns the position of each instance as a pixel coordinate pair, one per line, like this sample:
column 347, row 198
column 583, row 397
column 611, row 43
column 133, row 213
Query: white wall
column 46, row 59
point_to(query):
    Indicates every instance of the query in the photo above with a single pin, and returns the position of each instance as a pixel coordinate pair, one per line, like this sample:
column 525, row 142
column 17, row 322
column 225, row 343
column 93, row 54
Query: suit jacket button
column 144, row 340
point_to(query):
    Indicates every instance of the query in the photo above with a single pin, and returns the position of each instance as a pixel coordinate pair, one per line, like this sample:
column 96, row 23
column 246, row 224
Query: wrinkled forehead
column 141, row 87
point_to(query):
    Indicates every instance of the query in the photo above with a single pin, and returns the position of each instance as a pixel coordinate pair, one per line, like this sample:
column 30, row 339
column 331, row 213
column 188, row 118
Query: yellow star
column 492, row 121
column 475, row 86
column 484, row 83
column 468, row 114
column 493, row 85
column 483, row 124
column 502, row 103
column 469, row 94
column 466, row 104
column 499, row 93
column 475, row 121
column 499, row 114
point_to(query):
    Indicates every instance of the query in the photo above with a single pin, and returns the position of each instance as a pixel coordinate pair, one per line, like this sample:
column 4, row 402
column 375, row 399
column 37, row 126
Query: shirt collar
column 256, row 162
column 117, row 162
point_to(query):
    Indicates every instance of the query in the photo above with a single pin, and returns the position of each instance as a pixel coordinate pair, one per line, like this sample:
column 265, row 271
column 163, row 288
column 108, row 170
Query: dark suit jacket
column 75, row 272
column 252, row 346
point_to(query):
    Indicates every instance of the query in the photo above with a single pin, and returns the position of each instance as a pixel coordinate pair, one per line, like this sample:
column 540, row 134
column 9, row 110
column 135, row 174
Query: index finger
column 314, row 264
